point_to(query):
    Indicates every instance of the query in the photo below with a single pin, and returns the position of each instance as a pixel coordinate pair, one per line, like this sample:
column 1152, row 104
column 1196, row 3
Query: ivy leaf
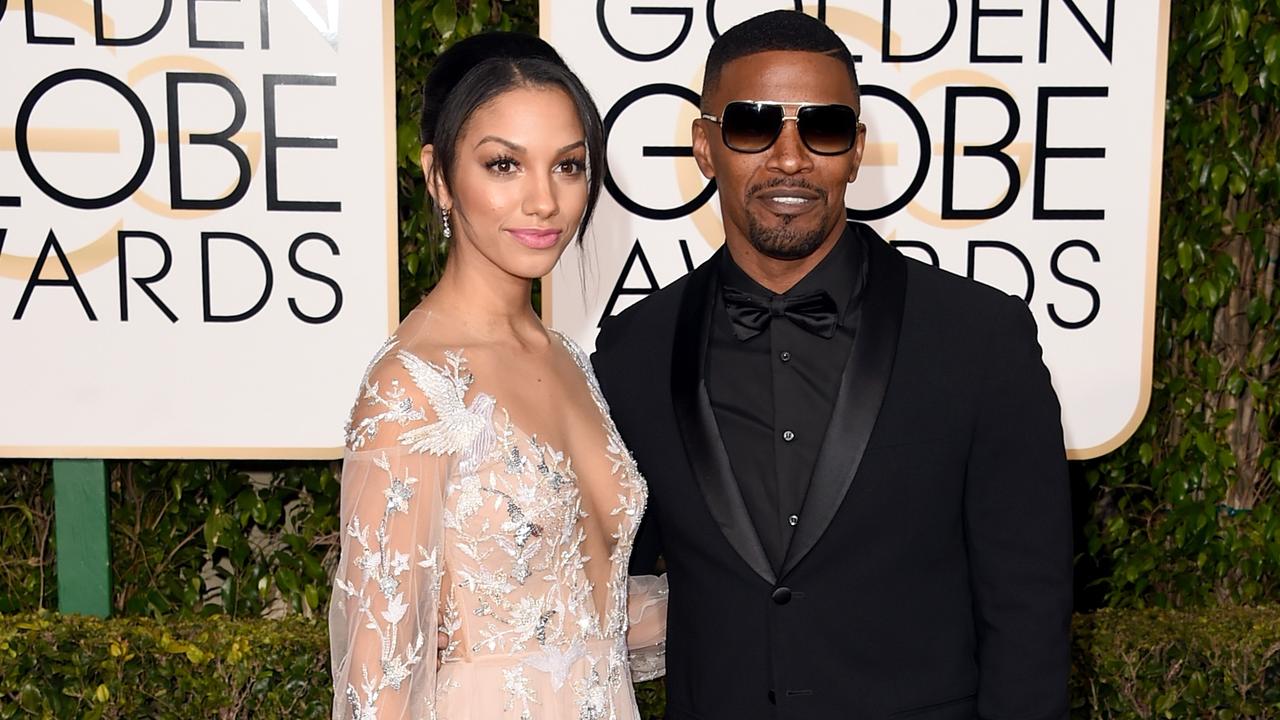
column 1255, row 309
column 259, row 512
column 445, row 17
column 1184, row 255
column 463, row 27
column 1239, row 81
column 1239, row 21
column 1235, row 383
column 273, row 511
column 407, row 143
column 1218, row 176
column 1271, row 51
column 1206, row 445
column 213, row 528
column 29, row 699
column 245, row 503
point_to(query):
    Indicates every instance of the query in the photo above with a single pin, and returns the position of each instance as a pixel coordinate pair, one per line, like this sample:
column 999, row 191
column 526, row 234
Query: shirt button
column 786, row 356
column 788, row 436
column 794, row 520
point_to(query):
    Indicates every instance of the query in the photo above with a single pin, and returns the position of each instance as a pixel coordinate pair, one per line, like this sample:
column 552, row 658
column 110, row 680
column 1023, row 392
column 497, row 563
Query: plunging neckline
column 559, row 461
column 593, row 391
column 484, row 569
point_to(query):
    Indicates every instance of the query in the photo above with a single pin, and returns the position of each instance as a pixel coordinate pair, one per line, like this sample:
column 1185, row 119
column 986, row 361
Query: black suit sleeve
column 647, row 546
column 1018, row 529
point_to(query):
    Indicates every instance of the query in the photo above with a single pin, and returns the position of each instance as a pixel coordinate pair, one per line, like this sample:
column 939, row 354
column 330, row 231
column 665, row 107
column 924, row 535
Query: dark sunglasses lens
column 828, row 129
column 750, row 127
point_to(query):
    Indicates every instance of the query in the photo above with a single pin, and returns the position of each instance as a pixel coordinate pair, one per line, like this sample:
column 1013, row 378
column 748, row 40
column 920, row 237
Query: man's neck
column 778, row 276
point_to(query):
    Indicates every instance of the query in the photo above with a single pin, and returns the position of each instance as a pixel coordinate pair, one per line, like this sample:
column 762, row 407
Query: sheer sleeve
column 384, row 614
column 647, row 626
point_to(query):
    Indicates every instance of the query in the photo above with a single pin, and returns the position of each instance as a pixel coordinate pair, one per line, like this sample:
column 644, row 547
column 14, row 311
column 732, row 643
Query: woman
column 488, row 504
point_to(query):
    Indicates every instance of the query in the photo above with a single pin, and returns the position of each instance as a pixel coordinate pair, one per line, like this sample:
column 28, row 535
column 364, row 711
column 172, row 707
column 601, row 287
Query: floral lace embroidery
column 382, row 567
column 512, row 542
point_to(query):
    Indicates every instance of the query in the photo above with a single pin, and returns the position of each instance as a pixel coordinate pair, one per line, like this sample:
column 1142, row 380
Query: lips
column 536, row 238
column 788, row 200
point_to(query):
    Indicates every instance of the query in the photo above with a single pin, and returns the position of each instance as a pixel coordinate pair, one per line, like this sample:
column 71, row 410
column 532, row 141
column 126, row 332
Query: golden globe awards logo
column 1017, row 144
column 202, row 191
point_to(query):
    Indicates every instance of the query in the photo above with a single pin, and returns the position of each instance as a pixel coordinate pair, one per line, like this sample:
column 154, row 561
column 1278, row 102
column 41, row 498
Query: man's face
column 787, row 200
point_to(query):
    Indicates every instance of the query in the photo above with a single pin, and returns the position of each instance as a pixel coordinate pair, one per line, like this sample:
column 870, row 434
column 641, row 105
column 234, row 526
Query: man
column 855, row 461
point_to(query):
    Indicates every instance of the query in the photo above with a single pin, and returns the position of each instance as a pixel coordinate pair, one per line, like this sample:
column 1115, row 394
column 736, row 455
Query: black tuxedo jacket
column 930, row 574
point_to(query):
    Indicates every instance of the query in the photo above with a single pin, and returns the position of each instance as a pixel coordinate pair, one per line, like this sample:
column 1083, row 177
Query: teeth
column 786, row 200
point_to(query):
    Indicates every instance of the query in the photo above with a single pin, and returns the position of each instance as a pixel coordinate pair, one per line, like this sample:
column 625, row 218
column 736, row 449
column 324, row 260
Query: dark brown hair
column 477, row 70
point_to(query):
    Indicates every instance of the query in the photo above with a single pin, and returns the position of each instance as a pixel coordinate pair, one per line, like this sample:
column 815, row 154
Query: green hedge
column 1186, row 513
column 69, row 666
column 1216, row 663
column 55, row 666
column 1127, row 664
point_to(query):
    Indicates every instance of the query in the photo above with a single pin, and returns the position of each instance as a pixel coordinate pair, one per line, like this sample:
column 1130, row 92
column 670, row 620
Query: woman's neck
column 491, row 306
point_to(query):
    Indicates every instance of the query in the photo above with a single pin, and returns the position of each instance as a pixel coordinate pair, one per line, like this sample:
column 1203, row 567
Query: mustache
column 796, row 183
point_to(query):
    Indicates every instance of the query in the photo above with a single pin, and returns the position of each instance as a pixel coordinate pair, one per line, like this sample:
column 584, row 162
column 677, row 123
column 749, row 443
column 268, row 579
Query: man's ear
column 702, row 147
column 436, row 186
column 859, row 144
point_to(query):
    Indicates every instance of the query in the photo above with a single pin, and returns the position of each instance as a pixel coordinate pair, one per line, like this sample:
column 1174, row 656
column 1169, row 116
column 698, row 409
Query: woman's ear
column 436, row 186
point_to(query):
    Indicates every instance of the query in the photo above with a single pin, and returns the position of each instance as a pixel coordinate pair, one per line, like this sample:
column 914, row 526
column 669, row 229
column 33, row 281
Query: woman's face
column 520, row 183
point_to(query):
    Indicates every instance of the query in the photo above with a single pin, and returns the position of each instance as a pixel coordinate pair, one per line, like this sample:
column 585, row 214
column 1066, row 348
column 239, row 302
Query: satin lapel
column 862, row 389
column 697, row 423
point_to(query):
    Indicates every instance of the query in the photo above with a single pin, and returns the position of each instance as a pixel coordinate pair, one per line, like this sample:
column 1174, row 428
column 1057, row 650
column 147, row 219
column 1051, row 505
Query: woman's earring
column 444, row 221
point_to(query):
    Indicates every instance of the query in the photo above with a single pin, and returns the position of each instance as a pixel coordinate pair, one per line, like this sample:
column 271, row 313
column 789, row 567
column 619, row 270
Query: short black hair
column 475, row 71
column 786, row 30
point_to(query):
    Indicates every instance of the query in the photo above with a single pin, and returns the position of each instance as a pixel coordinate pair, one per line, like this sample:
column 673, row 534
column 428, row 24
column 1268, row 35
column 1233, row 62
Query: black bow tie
column 750, row 314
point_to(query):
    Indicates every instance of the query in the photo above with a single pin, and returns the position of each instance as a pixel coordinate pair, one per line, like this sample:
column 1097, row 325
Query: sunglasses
column 752, row 126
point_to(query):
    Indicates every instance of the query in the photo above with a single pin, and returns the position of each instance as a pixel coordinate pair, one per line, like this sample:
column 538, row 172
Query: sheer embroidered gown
column 483, row 572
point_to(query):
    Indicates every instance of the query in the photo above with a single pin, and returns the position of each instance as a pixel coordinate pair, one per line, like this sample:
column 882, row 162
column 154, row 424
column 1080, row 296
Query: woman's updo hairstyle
column 478, row 69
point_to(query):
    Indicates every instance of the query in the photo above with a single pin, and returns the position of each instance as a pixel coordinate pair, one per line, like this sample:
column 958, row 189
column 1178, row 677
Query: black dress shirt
column 772, row 394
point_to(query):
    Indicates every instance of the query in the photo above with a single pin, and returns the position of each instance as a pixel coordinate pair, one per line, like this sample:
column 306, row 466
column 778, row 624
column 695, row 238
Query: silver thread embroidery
column 517, row 573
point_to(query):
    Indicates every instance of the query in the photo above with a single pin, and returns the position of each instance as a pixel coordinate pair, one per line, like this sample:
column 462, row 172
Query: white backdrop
column 1018, row 143
column 211, row 188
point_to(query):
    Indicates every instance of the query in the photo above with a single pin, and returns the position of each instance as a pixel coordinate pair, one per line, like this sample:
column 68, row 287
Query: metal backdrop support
column 80, row 516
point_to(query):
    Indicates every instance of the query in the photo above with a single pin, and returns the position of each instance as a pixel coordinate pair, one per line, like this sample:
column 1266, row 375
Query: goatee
column 784, row 242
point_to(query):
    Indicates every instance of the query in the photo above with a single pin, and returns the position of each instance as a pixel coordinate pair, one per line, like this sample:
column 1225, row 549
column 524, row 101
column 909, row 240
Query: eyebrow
column 521, row 148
